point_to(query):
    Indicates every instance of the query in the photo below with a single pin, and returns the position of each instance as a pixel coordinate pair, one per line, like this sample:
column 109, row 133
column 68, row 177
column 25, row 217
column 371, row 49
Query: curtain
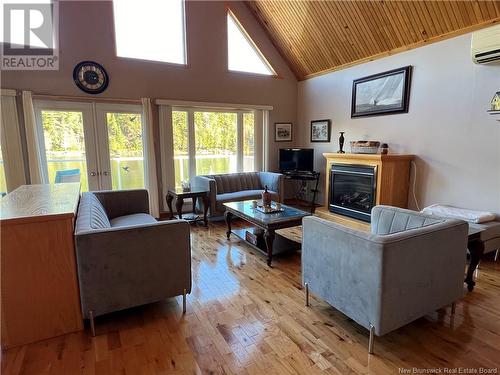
column 268, row 137
column 12, row 154
column 167, row 151
column 32, row 140
column 150, row 159
column 259, row 139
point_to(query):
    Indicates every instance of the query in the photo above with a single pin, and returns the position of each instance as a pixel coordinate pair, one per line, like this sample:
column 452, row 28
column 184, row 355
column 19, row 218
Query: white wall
column 456, row 143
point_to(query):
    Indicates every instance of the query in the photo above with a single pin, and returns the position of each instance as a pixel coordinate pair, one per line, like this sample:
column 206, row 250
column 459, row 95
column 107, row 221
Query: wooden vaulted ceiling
column 321, row 36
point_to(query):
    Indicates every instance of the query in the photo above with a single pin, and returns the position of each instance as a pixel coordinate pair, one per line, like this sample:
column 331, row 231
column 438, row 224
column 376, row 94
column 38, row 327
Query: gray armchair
column 125, row 257
column 409, row 265
column 235, row 187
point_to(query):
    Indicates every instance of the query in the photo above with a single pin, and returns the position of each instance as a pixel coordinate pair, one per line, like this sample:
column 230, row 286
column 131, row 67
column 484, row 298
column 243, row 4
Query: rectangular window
column 212, row 142
column 150, row 30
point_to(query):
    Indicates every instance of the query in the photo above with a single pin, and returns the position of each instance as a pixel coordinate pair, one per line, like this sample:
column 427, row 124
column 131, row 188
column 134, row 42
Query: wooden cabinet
column 392, row 187
column 39, row 284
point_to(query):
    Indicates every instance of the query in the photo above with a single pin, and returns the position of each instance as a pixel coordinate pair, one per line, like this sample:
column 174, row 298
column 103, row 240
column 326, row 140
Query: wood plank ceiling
column 316, row 37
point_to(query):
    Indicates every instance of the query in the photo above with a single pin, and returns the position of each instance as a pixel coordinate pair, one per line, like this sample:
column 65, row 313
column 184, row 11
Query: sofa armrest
column 274, row 182
column 129, row 266
column 207, row 183
column 123, row 202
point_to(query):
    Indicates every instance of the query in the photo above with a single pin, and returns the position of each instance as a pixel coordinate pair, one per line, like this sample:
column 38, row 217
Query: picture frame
column 282, row 131
column 321, row 130
column 382, row 94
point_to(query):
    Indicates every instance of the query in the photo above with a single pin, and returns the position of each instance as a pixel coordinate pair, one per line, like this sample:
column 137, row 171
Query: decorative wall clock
column 90, row 77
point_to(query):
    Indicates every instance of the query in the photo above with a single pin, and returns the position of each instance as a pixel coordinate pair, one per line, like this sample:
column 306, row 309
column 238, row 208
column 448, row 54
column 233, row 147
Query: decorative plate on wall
column 90, row 77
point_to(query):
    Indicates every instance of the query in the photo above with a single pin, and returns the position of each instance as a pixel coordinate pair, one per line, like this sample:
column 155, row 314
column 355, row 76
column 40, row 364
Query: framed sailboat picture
column 382, row 94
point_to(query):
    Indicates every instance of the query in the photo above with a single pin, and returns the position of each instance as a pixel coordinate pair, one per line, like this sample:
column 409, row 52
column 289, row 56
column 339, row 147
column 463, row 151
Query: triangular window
column 243, row 54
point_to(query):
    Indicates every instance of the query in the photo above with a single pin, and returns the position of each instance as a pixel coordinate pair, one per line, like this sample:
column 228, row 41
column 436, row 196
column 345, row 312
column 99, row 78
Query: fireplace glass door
column 352, row 190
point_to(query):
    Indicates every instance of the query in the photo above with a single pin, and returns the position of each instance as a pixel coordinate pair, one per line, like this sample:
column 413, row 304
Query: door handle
column 105, row 173
column 93, row 174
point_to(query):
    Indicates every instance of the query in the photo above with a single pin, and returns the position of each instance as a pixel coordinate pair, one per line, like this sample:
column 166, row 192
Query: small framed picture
column 283, row 131
column 320, row 130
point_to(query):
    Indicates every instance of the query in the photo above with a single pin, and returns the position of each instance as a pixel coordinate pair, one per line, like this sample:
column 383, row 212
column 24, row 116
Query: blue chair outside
column 67, row 175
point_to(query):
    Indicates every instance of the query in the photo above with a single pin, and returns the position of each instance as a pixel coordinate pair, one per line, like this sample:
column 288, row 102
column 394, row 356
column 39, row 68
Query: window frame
column 185, row 64
column 262, row 136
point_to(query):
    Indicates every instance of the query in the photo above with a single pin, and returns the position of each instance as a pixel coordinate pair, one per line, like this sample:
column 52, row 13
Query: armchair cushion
column 134, row 219
column 243, row 195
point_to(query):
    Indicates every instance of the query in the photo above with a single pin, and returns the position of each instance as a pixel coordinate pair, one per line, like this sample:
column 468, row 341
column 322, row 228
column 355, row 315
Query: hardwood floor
column 246, row 318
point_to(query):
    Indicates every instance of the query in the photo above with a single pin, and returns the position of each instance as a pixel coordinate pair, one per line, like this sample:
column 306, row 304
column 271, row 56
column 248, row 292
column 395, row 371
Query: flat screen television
column 296, row 160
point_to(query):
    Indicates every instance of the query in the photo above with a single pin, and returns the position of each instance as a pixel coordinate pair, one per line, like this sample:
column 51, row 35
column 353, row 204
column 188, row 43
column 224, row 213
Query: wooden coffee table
column 267, row 223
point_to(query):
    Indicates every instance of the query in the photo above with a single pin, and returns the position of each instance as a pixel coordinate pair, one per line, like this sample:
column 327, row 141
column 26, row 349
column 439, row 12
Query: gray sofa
column 125, row 257
column 239, row 187
column 409, row 265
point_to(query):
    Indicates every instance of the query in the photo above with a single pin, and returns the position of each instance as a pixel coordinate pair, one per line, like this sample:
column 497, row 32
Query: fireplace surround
column 386, row 180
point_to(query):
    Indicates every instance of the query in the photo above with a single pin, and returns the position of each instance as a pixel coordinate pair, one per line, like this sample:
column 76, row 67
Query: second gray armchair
column 408, row 266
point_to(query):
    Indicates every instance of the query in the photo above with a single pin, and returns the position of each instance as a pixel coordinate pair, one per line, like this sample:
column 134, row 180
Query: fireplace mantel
column 393, row 177
column 366, row 159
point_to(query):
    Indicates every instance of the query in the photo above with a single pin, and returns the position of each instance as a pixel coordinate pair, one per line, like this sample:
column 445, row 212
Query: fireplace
column 353, row 190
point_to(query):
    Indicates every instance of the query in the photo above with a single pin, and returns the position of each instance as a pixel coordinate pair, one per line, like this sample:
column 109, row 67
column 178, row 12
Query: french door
column 102, row 143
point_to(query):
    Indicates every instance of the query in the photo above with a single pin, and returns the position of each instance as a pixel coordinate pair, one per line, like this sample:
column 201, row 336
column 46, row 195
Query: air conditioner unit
column 485, row 46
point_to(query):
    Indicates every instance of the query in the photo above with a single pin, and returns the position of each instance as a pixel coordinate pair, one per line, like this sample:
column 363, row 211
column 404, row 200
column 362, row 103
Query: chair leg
column 453, row 307
column 92, row 326
column 184, row 301
column 307, row 294
column 370, row 342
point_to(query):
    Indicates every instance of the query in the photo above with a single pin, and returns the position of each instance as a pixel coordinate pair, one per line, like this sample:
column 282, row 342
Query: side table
column 194, row 194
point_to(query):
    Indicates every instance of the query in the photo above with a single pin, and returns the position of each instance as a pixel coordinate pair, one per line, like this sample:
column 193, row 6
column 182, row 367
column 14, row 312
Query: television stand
column 305, row 176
